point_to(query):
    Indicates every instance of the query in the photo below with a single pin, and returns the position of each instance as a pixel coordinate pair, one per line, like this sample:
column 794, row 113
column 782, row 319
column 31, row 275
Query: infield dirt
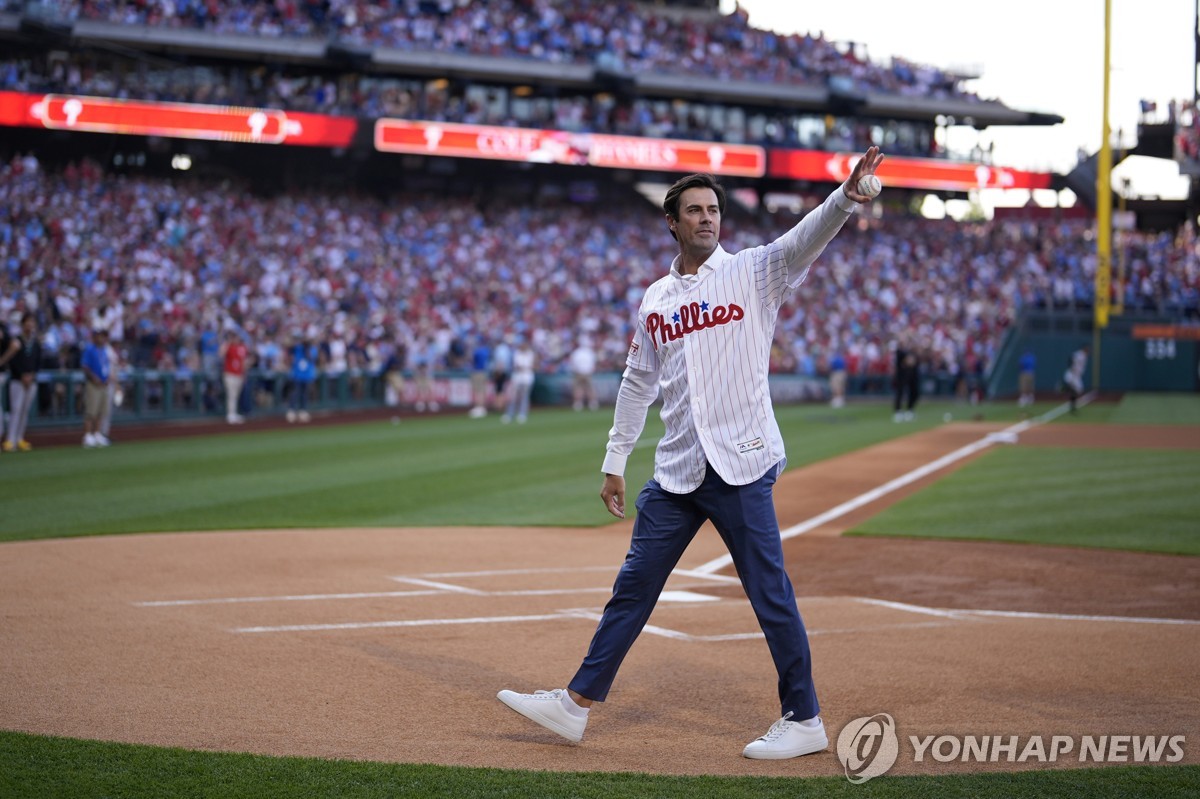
column 390, row 644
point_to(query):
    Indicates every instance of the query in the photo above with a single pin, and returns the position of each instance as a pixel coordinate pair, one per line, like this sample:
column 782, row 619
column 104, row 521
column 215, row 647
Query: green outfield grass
column 1134, row 499
column 34, row 767
column 421, row 472
column 1133, row 408
column 1157, row 409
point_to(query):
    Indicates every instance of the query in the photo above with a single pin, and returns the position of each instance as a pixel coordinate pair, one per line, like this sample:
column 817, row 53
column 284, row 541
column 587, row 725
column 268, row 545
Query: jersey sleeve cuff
column 614, row 463
column 842, row 201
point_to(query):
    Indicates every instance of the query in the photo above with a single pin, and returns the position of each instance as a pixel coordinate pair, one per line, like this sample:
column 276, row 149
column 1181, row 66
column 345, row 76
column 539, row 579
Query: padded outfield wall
column 1136, row 352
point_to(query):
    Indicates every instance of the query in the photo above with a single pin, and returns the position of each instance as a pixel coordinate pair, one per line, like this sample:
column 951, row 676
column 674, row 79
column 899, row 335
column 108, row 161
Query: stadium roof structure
column 319, row 52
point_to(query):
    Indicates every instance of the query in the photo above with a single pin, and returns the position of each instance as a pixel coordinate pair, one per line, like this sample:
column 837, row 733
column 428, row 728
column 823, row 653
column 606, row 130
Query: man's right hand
column 613, row 494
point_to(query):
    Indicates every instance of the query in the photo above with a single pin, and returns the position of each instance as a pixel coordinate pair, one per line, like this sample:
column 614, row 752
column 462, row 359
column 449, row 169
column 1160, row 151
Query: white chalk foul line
column 967, row 613
column 1021, row 614
column 569, row 613
column 716, row 564
column 501, row 572
column 457, row 589
column 716, row 578
column 164, row 603
column 367, row 625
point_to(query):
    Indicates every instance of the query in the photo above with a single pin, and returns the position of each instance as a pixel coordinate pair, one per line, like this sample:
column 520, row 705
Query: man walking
column 703, row 337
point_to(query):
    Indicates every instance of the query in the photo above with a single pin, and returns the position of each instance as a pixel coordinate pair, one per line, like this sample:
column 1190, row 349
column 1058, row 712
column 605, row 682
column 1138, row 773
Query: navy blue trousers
column 666, row 523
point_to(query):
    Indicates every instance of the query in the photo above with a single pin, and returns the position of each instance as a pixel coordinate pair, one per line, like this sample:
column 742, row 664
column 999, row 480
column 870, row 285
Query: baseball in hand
column 869, row 186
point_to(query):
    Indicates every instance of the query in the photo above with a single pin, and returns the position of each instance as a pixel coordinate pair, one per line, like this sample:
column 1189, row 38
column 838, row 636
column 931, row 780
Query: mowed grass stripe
column 422, row 472
column 36, row 767
column 1121, row 499
column 1181, row 409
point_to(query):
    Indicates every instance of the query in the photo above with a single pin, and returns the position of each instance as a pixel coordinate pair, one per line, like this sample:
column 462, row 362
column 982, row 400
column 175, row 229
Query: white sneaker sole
column 787, row 754
column 513, row 700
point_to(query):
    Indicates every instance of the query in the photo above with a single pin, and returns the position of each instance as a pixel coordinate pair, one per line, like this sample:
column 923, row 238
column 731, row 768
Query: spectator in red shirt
column 233, row 355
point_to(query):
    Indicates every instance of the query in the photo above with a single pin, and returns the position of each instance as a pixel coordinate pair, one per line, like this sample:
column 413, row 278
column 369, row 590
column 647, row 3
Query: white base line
column 457, row 589
column 967, row 613
column 164, row 603
column 499, row 572
column 892, row 485
column 574, row 613
column 1019, row 614
column 716, row 578
column 887, row 603
column 367, row 625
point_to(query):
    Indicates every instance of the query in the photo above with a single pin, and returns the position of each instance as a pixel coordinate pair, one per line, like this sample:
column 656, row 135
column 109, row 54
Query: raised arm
column 784, row 263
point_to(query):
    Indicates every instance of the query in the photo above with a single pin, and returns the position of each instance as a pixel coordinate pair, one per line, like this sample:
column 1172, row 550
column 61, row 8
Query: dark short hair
column 700, row 180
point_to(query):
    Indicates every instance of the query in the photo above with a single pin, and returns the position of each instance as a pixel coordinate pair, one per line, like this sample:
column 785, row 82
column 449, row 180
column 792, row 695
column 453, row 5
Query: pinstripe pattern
column 706, row 338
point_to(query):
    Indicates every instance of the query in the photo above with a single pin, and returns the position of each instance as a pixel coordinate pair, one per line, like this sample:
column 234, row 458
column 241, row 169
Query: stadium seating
column 161, row 262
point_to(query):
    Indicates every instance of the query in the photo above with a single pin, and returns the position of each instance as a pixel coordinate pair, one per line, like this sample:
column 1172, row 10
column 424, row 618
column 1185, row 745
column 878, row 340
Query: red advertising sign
column 913, row 173
column 175, row 120
column 562, row 147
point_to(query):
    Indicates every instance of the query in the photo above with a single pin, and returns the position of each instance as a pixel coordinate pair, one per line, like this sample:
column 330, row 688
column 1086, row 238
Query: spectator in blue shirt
column 302, row 360
column 481, row 360
column 837, row 380
column 1025, row 380
column 97, row 371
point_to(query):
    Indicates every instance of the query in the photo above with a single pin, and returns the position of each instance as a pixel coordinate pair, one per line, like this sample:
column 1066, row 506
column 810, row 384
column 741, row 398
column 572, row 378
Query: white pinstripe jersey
column 705, row 340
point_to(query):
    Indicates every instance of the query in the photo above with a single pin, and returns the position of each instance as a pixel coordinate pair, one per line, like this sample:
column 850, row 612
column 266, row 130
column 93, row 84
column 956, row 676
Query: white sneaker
column 787, row 739
column 291, row 417
column 102, row 440
column 89, row 441
column 478, row 412
column 304, row 417
column 546, row 708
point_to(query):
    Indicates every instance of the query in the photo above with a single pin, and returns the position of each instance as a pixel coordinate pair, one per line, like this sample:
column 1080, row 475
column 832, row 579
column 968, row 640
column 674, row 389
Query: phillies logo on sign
column 689, row 318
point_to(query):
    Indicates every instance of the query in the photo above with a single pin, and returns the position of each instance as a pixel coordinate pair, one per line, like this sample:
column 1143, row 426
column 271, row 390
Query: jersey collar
column 718, row 257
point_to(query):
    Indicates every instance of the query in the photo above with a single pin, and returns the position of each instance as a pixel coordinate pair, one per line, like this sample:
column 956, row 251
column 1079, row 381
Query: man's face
column 699, row 223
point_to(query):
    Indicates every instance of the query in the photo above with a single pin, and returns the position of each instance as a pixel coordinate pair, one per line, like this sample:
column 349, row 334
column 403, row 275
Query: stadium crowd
column 1185, row 116
column 624, row 36
column 362, row 95
column 166, row 265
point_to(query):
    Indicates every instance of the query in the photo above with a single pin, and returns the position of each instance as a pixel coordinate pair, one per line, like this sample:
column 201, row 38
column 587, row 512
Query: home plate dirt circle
column 390, row 644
